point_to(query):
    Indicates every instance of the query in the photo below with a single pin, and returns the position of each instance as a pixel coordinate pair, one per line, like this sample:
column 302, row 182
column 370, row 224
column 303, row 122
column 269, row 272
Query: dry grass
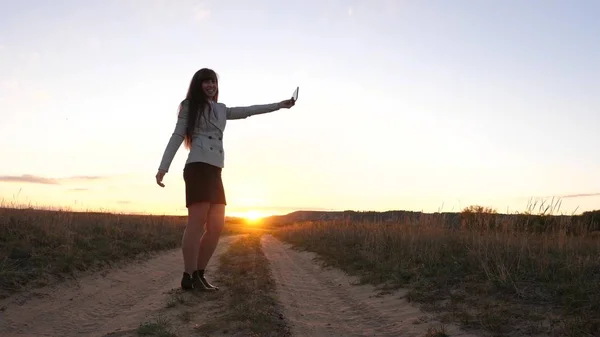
column 252, row 309
column 161, row 327
column 490, row 275
column 40, row 246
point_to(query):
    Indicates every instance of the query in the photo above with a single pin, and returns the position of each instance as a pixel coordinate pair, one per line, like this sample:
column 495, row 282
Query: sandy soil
column 324, row 302
column 113, row 303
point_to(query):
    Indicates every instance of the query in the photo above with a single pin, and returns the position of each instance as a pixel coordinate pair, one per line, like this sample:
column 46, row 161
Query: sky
column 416, row 105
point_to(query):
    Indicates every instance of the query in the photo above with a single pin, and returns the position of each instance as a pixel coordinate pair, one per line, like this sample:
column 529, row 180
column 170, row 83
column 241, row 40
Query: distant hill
column 348, row 215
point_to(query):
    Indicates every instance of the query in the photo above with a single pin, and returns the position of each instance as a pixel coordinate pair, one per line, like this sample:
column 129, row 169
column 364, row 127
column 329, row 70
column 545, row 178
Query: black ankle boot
column 193, row 282
column 204, row 281
column 187, row 282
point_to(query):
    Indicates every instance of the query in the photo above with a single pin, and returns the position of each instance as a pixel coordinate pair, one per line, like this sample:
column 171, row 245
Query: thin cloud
column 581, row 195
column 85, row 178
column 81, row 189
column 124, row 202
column 33, row 179
column 28, row 178
column 350, row 11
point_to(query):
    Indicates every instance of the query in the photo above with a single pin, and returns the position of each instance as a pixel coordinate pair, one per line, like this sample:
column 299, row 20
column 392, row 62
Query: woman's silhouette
column 201, row 123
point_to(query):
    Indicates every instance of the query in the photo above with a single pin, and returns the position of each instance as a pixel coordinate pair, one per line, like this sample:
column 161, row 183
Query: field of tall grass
column 511, row 275
column 491, row 273
column 41, row 246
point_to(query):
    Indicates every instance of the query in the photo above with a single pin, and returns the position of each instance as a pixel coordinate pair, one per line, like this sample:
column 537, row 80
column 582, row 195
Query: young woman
column 201, row 123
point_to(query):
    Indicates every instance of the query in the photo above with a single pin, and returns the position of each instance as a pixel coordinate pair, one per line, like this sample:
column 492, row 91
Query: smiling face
column 210, row 87
column 204, row 86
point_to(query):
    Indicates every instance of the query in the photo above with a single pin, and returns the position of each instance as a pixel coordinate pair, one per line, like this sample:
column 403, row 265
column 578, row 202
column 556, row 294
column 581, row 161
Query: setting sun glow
column 253, row 216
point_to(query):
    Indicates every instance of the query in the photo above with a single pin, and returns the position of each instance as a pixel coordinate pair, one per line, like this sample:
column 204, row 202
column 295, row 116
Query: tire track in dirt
column 323, row 302
column 97, row 305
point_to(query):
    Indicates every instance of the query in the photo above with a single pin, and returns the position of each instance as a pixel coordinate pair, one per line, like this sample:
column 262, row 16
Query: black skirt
column 203, row 184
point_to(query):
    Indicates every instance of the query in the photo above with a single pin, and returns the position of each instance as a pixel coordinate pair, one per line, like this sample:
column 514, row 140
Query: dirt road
column 317, row 302
column 323, row 302
column 114, row 303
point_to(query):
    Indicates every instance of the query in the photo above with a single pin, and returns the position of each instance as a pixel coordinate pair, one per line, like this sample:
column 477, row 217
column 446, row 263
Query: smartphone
column 295, row 94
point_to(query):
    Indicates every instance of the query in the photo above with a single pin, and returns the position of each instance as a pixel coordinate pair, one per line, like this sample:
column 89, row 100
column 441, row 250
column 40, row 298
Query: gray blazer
column 207, row 139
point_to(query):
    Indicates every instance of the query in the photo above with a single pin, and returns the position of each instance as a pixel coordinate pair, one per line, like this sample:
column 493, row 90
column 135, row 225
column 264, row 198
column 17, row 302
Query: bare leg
column 197, row 216
column 210, row 238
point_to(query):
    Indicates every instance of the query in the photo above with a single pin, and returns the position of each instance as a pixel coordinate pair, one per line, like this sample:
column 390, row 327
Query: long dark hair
column 197, row 101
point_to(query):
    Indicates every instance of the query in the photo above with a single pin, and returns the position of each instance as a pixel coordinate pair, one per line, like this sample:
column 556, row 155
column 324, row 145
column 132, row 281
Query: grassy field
column 527, row 275
column 38, row 246
column 487, row 274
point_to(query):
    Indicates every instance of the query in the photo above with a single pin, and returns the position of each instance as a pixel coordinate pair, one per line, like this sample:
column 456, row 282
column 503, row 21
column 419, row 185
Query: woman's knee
column 198, row 214
column 216, row 219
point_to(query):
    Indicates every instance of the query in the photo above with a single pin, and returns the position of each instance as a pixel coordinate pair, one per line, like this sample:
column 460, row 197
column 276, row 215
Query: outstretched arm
column 176, row 138
column 247, row 111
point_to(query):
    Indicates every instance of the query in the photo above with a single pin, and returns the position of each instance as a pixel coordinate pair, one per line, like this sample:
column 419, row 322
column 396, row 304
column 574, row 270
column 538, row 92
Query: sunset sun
column 253, row 216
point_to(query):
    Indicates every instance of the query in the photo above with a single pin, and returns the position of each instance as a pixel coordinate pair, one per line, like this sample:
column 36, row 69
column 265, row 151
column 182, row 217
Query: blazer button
column 209, row 137
column 211, row 148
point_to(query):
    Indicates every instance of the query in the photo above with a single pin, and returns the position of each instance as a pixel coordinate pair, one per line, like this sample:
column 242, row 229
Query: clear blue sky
column 416, row 105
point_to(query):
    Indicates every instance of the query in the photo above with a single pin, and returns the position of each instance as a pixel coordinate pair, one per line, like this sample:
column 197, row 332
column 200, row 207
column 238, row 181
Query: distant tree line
column 473, row 217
